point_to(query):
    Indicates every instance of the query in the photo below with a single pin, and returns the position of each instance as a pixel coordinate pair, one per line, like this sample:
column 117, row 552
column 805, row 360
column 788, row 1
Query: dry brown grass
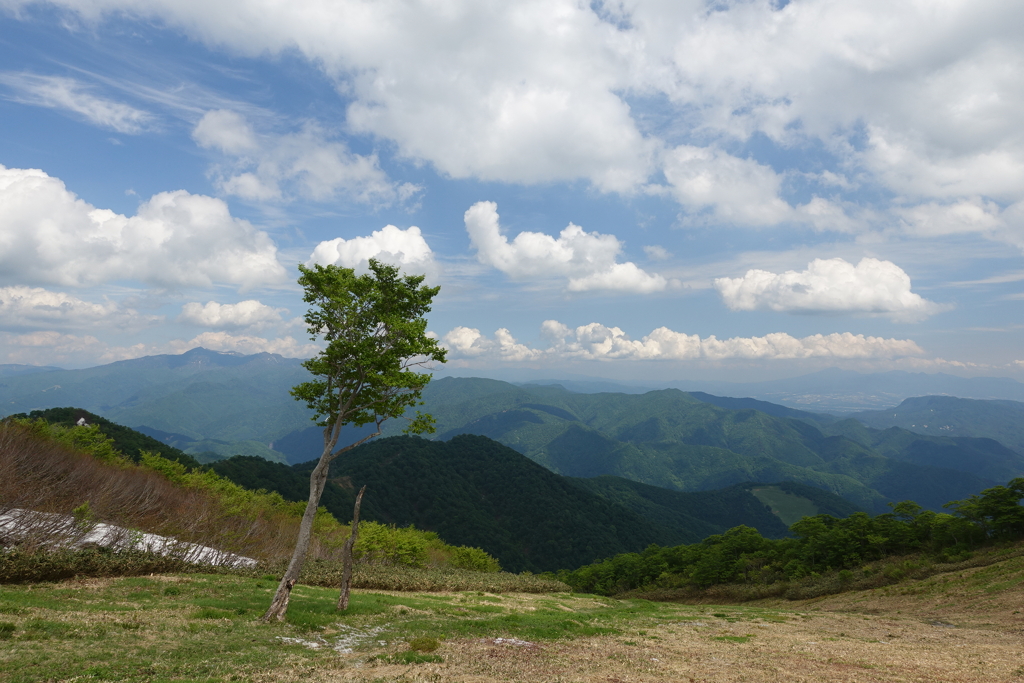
column 43, row 476
column 965, row 627
column 825, row 646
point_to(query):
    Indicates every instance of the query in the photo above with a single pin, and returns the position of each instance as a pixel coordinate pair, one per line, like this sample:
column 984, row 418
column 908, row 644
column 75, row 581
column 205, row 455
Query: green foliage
column 88, row 439
column 388, row 544
column 83, row 516
column 473, row 559
column 17, row 566
column 375, row 330
column 822, row 545
column 997, row 511
column 255, row 474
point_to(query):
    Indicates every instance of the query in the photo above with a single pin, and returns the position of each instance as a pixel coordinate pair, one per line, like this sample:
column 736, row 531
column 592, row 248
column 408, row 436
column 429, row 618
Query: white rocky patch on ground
column 66, row 532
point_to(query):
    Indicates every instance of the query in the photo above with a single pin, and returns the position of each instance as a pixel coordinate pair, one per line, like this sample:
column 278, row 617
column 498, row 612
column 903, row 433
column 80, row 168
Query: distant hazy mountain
column 955, row 417
column 15, row 370
column 827, row 391
column 227, row 403
column 834, row 390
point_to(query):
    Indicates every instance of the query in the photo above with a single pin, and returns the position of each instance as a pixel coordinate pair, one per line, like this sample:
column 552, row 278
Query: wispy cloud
column 59, row 92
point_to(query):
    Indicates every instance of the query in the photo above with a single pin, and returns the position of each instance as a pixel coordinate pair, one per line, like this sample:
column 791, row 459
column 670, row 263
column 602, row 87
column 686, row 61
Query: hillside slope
column 473, row 489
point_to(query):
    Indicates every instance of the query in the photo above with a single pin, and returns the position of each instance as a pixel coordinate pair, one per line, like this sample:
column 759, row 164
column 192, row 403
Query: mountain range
column 214, row 405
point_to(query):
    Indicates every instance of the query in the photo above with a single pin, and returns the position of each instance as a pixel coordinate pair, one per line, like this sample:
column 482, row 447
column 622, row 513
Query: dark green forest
column 474, row 491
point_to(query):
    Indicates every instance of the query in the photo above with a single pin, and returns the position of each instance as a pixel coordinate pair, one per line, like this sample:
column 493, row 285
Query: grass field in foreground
column 203, row 627
column 960, row 627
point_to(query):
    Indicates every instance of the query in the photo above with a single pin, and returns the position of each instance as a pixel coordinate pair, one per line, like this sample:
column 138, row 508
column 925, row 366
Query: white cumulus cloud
column 246, row 344
column 404, row 248
column 58, row 92
column 734, row 190
column 249, row 313
column 587, row 259
column 924, row 105
column 469, row 342
column 50, row 236
column 829, row 286
column 600, row 342
column 22, row 307
column 48, row 347
column 308, row 163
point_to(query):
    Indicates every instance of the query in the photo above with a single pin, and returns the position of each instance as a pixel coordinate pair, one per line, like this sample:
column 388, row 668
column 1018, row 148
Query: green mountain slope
column 228, row 404
column 474, row 489
column 674, row 440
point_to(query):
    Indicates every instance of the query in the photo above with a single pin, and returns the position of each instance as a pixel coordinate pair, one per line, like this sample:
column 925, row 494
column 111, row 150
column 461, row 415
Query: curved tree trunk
column 317, row 481
column 346, row 553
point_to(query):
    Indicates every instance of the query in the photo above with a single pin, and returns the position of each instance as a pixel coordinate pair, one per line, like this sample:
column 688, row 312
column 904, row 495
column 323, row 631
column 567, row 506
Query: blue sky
column 648, row 190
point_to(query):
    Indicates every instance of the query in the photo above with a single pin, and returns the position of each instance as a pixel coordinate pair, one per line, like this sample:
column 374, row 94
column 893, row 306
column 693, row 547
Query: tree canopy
column 377, row 343
column 375, row 330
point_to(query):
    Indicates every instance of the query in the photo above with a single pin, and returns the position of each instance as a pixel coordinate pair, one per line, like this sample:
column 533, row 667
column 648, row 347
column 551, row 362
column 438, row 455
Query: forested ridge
column 692, row 442
column 821, row 544
column 478, row 492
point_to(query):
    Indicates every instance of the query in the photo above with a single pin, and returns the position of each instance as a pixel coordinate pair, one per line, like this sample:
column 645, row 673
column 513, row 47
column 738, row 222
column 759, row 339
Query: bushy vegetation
column 123, row 439
column 843, row 548
column 75, row 472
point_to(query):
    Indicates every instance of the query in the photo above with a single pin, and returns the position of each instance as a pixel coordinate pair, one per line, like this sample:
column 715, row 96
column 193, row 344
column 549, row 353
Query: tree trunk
column 317, row 481
column 346, row 553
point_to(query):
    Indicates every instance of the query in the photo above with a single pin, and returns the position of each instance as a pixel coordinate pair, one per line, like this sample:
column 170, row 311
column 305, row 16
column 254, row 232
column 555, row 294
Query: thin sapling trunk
column 346, row 553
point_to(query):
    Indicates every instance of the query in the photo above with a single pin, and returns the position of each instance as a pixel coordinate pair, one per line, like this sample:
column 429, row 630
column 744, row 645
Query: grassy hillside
column 960, row 626
column 128, row 441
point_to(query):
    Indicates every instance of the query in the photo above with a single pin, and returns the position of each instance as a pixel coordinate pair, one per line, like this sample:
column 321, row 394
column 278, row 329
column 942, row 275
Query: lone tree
column 375, row 330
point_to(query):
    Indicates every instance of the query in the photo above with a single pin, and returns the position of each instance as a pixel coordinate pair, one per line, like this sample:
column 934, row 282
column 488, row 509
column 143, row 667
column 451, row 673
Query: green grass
column 788, row 507
column 135, row 629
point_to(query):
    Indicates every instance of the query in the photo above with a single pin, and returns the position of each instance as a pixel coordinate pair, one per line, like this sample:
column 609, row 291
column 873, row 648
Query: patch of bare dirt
column 825, row 646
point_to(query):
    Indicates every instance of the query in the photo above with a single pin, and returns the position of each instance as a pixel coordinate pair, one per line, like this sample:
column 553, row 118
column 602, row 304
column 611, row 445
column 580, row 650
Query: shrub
column 473, row 559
